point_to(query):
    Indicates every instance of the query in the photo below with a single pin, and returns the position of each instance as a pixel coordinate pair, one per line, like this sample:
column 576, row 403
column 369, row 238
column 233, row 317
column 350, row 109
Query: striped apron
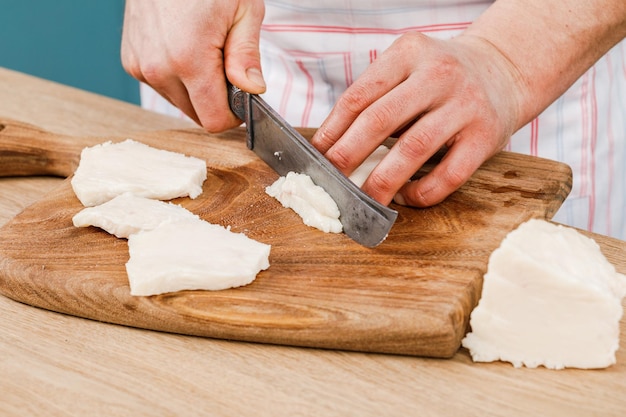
column 313, row 49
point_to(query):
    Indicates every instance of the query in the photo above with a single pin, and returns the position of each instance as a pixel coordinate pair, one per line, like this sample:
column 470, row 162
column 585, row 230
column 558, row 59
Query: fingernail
column 254, row 75
column 399, row 199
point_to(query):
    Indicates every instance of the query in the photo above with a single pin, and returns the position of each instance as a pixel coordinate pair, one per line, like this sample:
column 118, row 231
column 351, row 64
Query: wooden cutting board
column 411, row 295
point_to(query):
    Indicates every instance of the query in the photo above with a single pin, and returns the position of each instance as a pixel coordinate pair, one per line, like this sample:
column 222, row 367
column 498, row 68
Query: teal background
column 74, row 42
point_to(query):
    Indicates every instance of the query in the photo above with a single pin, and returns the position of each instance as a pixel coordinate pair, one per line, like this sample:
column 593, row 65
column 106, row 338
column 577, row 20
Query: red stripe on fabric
column 373, row 55
column 316, row 54
column 611, row 140
column 364, row 30
column 594, row 143
column 585, row 132
column 347, row 60
column 347, row 67
column 284, row 100
column 309, row 94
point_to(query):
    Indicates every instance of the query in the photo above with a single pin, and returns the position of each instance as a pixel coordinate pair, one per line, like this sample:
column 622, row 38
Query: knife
column 279, row 145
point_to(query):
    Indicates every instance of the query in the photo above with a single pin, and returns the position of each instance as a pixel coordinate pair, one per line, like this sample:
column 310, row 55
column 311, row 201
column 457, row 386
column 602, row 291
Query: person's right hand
column 185, row 49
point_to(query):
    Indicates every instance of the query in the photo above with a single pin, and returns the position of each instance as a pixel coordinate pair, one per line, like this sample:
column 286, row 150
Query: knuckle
column 414, row 147
column 182, row 62
column 452, row 177
column 128, row 61
column 423, row 193
column 324, row 139
column 152, row 74
column 132, row 66
column 340, row 158
column 418, row 198
column 215, row 125
column 381, row 117
column 380, row 183
column 355, row 99
column 410, row 40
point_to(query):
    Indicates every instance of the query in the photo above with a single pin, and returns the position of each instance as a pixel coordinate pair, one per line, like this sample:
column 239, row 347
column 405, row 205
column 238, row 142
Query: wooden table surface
column 57, row 365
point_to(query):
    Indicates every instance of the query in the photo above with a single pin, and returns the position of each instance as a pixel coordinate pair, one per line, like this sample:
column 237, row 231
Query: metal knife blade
column 364, row 219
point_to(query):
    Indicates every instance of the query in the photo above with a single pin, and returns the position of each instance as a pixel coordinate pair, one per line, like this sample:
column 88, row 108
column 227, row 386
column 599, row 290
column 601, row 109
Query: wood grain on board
column 411, row 295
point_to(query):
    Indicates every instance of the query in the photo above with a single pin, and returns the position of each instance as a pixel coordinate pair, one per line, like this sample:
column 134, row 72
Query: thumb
column 242, row 59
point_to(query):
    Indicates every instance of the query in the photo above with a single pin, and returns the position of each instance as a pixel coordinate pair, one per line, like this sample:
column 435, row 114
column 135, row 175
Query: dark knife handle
column 237, row 100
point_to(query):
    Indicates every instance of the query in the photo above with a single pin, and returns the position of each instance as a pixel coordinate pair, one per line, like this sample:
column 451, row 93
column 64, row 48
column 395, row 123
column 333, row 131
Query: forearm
column 548, row 45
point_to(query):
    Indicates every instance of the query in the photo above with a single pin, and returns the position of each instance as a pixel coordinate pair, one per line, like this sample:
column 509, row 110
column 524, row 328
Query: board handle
column 27, row 150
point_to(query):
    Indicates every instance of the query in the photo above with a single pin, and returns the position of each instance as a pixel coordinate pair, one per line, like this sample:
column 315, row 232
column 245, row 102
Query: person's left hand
column 462, row 93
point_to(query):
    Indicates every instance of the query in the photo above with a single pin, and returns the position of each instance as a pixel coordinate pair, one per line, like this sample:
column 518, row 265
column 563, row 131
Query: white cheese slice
column 549, row 298
column 192, row 254
column 127, row 214
column 110, row 169
column 309, row 201
column 365, row 169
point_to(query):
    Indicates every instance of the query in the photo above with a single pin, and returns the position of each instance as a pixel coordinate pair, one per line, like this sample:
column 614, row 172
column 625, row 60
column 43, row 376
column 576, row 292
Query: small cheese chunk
column 309, row 201
column 365, row 169
column 110, row 169
column 192, row 254
column 127, row 214
column 549, row 298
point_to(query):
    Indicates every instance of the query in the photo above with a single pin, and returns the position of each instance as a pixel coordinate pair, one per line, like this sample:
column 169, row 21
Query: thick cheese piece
column 549, row 298
column 192, row 254
column 365, row 169
column 110, row 169
column 127, row 214
column 309, row 201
